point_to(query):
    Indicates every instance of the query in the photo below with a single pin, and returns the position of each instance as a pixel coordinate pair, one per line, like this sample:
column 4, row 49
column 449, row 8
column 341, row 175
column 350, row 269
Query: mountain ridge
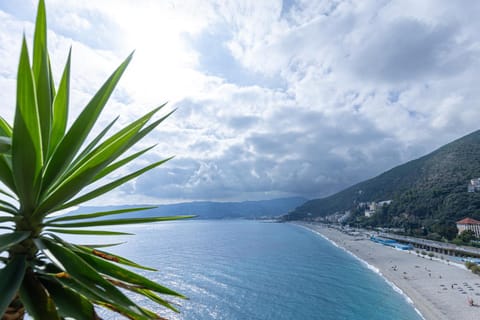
column 209, row 209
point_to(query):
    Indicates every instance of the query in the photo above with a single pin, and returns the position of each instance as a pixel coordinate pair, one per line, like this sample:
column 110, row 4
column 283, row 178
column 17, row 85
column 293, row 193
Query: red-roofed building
column 469, row 224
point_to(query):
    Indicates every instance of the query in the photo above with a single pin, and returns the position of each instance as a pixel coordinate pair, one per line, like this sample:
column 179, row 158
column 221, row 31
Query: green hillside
column 429, row 194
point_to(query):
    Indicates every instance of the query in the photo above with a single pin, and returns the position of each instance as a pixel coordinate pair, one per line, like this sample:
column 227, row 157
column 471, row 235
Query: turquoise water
column 253, row 270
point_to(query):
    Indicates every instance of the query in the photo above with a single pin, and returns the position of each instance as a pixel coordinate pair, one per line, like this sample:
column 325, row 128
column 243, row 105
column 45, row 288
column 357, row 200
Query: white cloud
column 274, row 99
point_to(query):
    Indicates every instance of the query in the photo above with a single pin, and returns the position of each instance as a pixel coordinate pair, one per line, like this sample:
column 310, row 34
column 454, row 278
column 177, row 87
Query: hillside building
column 469, row 224
column 384, row 203
column 474, row 185
column 345, row 216
column 372, row 207
column 370, row 210
column 337, row 217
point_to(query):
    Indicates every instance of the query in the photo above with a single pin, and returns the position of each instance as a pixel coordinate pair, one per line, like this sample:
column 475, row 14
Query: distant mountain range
column 429, row 193
column 212, row 210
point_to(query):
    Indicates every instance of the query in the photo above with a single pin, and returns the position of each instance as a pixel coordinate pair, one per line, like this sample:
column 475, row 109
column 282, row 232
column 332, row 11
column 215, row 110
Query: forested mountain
column 213, row 210
column 428, row 194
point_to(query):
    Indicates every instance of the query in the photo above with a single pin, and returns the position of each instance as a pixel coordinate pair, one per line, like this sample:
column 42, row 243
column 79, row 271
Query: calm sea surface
column 254, row 270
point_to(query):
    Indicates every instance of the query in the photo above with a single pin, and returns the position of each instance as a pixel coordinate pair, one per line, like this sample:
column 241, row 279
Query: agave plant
column 44, row 166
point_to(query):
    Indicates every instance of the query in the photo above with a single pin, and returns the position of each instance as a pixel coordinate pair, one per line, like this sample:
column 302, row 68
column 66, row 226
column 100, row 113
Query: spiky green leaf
column 97, row 298
column 9, row 205
column 111, row 148
column 27, row 156
column 37, row 301
column 11, row 277
column 97, row 214
column 89, row 232
column 41, row 75
column 154, row 297
column 60, row 107
column 70, row 303
column 83, row 272
column 76, row 135
column 6, row 172
column 112, row 185
column 120, row 163
column 112, row 257
column 5, row 128
column 101, row 245
column 5, row 144
column 9, row 239
column 113, row 222
column 122, row 274
column 84, row 171
column 94, row 142
column 144, row 131
column 8, row 210
column 8, row 194
column 52, row 83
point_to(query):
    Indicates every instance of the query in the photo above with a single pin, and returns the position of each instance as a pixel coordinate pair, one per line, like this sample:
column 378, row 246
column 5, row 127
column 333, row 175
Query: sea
column 239, row 269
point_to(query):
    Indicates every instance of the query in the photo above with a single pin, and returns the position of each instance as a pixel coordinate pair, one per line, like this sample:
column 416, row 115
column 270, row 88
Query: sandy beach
column 438, row 290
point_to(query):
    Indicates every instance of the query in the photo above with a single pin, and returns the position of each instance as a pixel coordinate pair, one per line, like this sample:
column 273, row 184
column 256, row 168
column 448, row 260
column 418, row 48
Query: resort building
column 469, row 224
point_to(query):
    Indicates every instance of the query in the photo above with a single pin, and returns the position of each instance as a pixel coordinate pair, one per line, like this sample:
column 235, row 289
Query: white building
column 469, row 224
column 384, row 203
column 474, row 185
column 372, row 207
column 370, row 210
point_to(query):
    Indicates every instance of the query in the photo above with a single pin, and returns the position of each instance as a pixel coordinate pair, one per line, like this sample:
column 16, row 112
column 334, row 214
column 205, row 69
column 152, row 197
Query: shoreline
column 371, row 268
column 434, row 288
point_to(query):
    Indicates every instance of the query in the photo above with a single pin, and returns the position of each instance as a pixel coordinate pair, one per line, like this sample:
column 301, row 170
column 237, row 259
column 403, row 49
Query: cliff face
column 429, row 190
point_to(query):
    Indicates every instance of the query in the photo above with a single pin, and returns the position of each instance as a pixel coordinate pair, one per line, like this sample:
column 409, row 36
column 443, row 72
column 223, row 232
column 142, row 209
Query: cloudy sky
column 274, row 98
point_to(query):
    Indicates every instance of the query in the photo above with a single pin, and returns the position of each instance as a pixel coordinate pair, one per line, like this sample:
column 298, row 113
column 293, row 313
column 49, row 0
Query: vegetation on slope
column 429, row 194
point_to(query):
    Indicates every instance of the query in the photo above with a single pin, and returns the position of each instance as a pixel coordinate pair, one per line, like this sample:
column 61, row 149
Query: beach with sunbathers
column 439, row 288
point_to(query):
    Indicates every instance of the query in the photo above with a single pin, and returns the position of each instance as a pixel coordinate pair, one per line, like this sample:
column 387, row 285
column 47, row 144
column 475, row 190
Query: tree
column 466, row 236
column 448, row 230
column 44, row 166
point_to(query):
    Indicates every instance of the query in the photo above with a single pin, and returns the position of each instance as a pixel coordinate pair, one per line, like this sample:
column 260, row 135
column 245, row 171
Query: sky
column 273, row 98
